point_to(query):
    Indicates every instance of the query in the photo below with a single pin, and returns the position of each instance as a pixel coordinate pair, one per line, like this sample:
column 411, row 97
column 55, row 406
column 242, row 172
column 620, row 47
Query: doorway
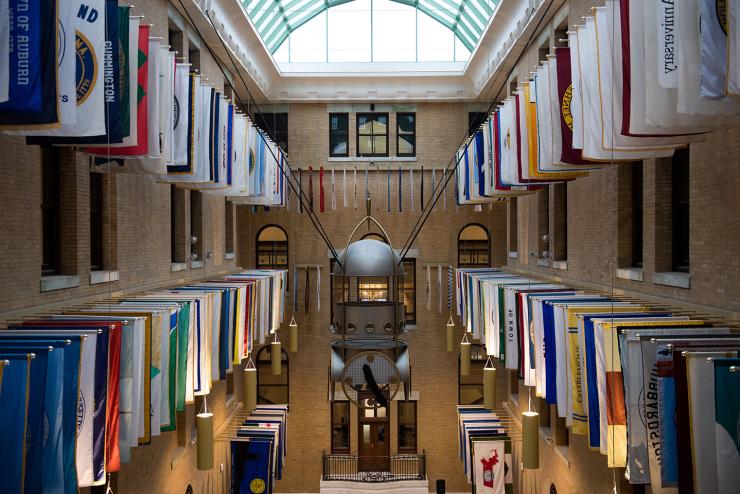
column 374, row 439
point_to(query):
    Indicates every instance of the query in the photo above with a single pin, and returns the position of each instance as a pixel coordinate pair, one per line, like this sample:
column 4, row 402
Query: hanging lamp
column 204, row 437
column 250, row 386
column 530, row 437
column 465, row 355
column 489, row 385
column 293, row 335
column 276, row 355
column 450, row 334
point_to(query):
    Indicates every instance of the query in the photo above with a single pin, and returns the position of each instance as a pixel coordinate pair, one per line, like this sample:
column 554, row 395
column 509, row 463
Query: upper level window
column 680, row 210
column 276, row 126
column 272, row 389
column 340, row 427
column 338, row 134
column 50, row 211
column 473, row 247
column 272, row 248
column 372, row 134
column 406, row 137
column 96, row 221
column 407, row 426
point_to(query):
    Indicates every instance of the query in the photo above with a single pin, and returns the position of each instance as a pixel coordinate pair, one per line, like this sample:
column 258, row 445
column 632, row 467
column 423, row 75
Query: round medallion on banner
column 61, row 42
column 176, row 112
column 80, row 413
column 565, row 107
column 87, row 67
column 257, row 486
column 251, row 161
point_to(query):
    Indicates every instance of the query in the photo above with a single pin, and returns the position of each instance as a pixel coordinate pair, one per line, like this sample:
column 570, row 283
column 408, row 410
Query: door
column 374, row 440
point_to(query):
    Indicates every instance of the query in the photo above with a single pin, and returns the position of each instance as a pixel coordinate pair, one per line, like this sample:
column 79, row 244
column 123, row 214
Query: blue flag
column 250, row 466
column 13, row 407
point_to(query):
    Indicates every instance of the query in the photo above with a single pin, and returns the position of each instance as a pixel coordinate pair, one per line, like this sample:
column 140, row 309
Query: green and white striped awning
column 276, row 19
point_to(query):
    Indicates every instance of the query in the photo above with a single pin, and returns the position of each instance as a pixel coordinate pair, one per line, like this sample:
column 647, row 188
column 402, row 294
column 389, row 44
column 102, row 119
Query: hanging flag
column 411, row 187
column 5, row 50
column 713, row 29
column 421, row 190
column 32, row 92
column 295, row 289
column 318, row 289
column 344, row 187
column 449, row 288
column 306, row 299
column 400, row 190
column 251, row 459
column 180, row 112
column 14, row 396
column 367, row 188
column 333, row 191
column 727, row 412
column 733, row 48
column 355, row 187
column 444, row 190
column 321, row 188
column 566, row 99
column 439, row 286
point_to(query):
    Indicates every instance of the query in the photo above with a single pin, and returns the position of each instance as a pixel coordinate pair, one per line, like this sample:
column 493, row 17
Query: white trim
column 59, row 282
column 513, row 255
column 229, row 255
column 633, row 274
column 560, row 265
column 178, row 266
column 679, row 280
column 103, row 277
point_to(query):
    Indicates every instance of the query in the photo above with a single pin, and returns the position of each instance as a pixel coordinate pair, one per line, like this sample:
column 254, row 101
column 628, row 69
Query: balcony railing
column 354, row 468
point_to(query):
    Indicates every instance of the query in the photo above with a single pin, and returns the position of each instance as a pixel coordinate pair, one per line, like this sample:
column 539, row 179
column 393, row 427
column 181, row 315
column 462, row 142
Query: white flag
column 167, row 103
column 180, row 111
column 344, row 187
column 5, row 50
column 85, row 409
column 733, row 47
column 713, row 29
column 411, row 187
column 429, row 288
column 333, row 191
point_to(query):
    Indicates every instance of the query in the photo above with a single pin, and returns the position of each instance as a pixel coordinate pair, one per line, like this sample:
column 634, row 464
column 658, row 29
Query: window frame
column 398, row 135
column 332, row 154
column 257, row 243
column 51, row 238
column 265, row 362
column 408, row 449
column 358, row 135
column 332, row 412
column 488, row 249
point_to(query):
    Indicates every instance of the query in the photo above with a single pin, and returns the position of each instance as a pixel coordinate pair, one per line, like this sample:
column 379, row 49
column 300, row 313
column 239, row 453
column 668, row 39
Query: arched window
column 473, row 247
column 272, row 248
column 272, row 389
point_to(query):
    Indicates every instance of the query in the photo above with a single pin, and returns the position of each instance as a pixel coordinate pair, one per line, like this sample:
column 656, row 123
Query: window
column 272, row 389
column 543, row 220
column 470, row 388
column 407, row 427
column 50, row 207
column 409, row 289
column 543, row 51
column 229, row 226
column 272, row 248
column 406, row 137
column 276, row 126
column 340, row 427
column 636, row 202
column 193, row 56
column 473, row 247
column 680, row 211
column 96, row 222
column 338, row 134
column 196, row 225
column 513, row 226
column 177, row 225
column 372, row 134
column 560, row 240
column 475, row 120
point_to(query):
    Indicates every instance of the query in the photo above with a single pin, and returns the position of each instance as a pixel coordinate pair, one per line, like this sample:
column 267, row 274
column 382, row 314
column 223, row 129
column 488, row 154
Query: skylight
column 375, row 31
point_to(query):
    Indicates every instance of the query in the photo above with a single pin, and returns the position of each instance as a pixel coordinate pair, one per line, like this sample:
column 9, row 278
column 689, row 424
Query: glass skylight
column 338, row 31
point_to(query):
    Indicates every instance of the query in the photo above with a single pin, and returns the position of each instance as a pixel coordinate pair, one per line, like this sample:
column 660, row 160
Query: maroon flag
column 568, row 154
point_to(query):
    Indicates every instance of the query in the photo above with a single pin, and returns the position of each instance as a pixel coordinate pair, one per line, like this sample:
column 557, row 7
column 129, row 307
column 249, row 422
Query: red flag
column 321, row 189
column 569, row 154
column 112, row 416
column 142, row 146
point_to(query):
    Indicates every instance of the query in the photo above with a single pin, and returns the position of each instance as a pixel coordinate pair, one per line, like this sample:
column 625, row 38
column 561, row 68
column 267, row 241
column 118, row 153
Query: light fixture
column 204, row 435
column 193, row 239
column 530, row 440
column 489, row 385
column 293, row 335
column 450, row 334
column 250, row 386
column 465, row 355
column 276, row 349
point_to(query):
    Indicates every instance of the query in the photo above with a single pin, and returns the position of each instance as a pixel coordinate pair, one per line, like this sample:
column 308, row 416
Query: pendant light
column 250, row 386
column 276, row 355
column 530, row 438
column 489, row 385
column 204, row 435
column 450, row 334
column 465, row 355
column 293, row 335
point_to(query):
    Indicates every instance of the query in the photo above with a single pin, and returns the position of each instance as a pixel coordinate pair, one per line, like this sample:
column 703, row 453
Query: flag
column 439, row 287
column 733, row 48
column 428, row 287
column 344, row 187
column 388, row 187
column 318, row 289
column 492, row 467
column 567, row 103
column 713, row 29
column 300, row 190
column 14, row 397
column 355, row 187
column 32, row 92
column 321, row 188
column 727, row 413
column 421, row 190
column 5, row 51
column 400, row 190
column 333, row 191
column 250, row 463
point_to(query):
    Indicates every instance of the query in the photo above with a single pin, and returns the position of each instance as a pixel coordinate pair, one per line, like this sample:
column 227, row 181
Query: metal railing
column 354, row 468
